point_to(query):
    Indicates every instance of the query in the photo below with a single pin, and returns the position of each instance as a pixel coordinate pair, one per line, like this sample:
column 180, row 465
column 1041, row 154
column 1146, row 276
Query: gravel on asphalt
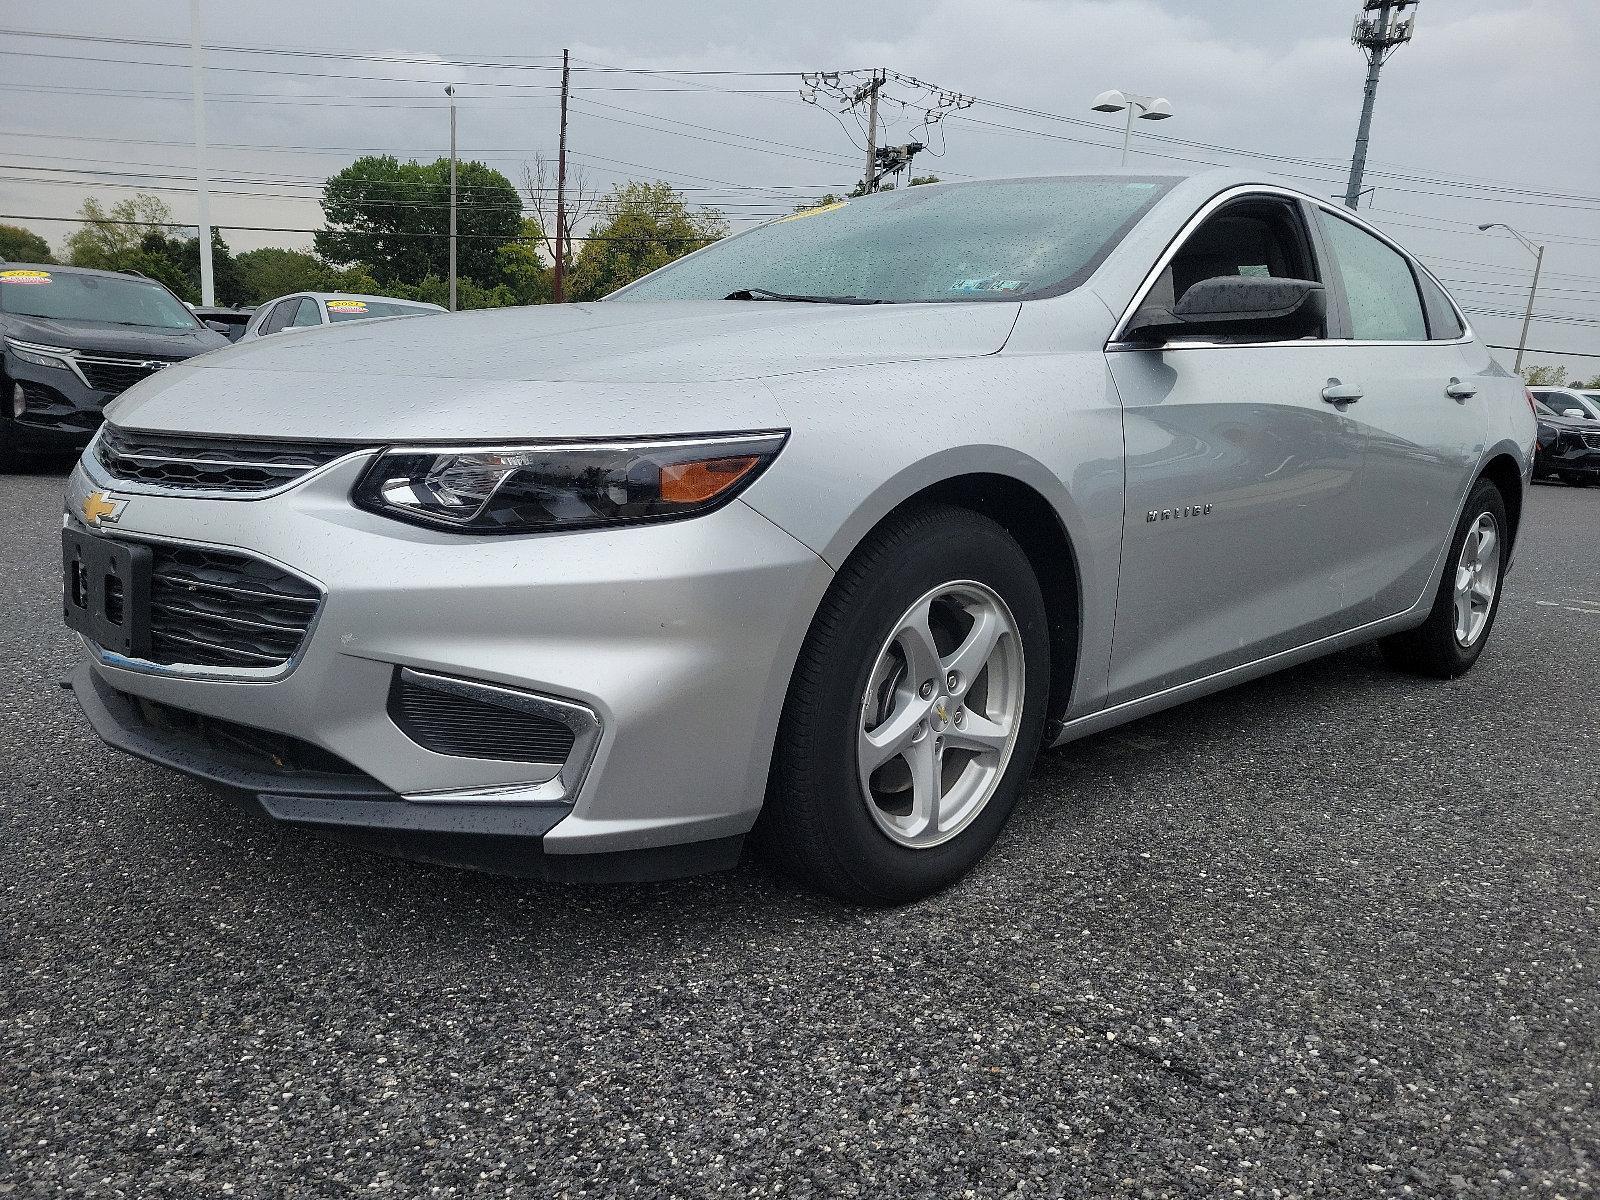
column 1330, row 934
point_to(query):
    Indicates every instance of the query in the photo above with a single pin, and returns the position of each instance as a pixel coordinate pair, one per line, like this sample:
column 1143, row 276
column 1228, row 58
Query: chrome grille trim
column 212, row 466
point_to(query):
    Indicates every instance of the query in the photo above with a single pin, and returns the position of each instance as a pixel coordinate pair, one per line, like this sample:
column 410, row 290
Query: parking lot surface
column 1329, row 934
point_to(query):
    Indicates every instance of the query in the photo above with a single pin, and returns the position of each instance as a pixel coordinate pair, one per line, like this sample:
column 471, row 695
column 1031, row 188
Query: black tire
column 10, row 457
column 1432, row 648
column 816, row 825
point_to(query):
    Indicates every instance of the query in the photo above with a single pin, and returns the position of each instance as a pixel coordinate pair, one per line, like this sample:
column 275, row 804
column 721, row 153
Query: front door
column 1240, row 480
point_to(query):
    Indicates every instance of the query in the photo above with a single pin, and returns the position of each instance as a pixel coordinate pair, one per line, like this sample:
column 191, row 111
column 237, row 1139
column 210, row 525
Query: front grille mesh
column 213, row 608
column 193, row 463
column 448, row 723
column 117, row 375
column 45, row 406
column 1592, row 440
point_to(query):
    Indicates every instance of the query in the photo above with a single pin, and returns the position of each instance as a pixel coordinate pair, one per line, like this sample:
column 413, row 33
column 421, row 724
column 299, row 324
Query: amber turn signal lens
column 697, row 482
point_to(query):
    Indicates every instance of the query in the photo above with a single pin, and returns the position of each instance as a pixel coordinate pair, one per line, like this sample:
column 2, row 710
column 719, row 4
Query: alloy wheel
column 1477, row 578
column 940, row 714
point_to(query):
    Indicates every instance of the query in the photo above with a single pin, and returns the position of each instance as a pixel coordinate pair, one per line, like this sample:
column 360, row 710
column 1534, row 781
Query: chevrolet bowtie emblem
column 100, row 508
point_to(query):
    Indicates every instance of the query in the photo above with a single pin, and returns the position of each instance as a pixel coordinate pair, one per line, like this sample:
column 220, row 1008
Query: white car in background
column 307, row 310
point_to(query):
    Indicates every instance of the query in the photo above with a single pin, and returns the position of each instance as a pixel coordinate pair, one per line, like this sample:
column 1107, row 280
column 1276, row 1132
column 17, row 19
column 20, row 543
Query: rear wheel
column 915, row 713
column 1464, row 608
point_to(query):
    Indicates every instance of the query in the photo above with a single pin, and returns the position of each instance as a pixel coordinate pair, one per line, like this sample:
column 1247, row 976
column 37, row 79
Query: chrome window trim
column 1114, row 344
column 91, row 466
column 583, row 721
column 214, row 674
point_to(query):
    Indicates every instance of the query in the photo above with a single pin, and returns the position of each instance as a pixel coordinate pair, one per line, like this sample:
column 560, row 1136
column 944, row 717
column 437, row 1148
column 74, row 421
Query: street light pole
column 1146, row 108
column 451, row 92
column 1537, row 251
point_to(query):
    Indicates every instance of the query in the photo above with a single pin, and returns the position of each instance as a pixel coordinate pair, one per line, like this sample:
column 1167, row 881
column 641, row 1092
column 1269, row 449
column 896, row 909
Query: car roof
column 361, row 296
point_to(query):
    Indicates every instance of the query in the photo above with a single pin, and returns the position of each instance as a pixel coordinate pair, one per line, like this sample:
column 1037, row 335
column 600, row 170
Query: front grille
column 214, row 608
column 193, row 463
column 116, row 373
column 1592, row 440
column 450, row 723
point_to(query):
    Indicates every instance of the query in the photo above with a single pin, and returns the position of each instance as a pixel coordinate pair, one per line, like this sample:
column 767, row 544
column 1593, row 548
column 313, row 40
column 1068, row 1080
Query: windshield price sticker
column 346, row 306
column 24, row 276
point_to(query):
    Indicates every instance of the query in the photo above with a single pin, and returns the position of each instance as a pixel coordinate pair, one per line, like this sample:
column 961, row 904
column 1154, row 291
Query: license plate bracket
column 106, row 591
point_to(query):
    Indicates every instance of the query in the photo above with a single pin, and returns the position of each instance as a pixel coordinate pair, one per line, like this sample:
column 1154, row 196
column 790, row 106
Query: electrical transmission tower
column 878, row 89
column 1381, row 28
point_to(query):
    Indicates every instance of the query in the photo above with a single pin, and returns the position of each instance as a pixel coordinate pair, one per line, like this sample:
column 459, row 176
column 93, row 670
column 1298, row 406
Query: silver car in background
column 818, row 534
column 308, row 310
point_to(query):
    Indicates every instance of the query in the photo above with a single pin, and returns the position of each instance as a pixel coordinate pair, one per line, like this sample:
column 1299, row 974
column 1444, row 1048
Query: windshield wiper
column 764, row 294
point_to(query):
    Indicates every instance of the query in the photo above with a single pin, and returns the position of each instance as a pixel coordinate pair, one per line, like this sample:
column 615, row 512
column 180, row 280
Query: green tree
column 640, row 226
column 184, row 254
column 106, row 234
column 523, row 268
column 21, row 245
column 393, row 218
column 270, row 272
column 1544, row 375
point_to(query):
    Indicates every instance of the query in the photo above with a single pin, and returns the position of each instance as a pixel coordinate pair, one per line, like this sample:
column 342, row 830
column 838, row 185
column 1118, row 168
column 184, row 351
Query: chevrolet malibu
column 814, row 537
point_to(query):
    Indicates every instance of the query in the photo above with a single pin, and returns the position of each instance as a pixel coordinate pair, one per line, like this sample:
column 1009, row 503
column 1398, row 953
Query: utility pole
column 559, row 282
column 451, row 92
column 202, row 185
column 869, row 91
column 1378, row 37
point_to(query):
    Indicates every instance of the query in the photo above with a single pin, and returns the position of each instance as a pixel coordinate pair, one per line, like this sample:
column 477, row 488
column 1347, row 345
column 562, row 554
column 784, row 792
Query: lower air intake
column 475, row 720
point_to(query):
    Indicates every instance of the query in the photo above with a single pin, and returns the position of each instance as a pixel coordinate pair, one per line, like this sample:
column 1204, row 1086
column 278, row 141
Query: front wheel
column 1464, row 608
column 915, row 712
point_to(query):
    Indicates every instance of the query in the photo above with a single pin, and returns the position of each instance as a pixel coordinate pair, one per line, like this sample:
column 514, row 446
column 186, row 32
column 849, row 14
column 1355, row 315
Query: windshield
column 991, row 240
column 360, row 310
column 1561, row 403
column 68, row 296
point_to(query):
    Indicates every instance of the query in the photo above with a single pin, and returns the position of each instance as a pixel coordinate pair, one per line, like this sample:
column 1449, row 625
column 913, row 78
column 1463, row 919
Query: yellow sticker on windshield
column 349, row 306
column 24, row 276
column 812, row 212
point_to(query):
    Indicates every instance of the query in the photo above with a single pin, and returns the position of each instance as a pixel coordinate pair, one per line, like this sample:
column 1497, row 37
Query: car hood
column 108, row 338
column 571, row 370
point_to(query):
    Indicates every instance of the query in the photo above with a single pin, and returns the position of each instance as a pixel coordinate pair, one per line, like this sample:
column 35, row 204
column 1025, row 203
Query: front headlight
column 41, row 356
column 553, row 486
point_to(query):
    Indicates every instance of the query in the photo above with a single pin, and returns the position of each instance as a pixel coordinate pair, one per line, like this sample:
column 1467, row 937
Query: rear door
column 1420, row 415
column 1239, row 473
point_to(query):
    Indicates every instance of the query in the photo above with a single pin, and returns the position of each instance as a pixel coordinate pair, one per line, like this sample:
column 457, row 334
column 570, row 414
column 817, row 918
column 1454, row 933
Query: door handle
column 1341, row 393
column 1457, row 390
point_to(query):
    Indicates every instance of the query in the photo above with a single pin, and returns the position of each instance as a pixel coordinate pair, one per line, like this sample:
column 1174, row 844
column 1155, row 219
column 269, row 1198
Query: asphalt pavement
column 1331, row 934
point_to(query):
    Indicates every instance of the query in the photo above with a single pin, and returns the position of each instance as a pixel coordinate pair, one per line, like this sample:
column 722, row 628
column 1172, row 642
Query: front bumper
column 58, row 411
column 678, row 637
column 1568, row 453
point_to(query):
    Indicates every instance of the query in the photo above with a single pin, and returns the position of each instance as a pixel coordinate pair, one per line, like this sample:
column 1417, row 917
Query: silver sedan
column 813, row 538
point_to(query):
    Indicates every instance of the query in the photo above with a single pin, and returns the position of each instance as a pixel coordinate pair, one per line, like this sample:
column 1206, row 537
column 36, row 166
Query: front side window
column 988, row 240
column 104, row 299
column 1254, row 237
column 1378, row 285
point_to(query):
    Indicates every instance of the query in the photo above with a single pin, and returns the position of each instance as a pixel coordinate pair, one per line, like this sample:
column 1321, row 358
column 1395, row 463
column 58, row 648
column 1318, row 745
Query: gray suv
column 814, row 537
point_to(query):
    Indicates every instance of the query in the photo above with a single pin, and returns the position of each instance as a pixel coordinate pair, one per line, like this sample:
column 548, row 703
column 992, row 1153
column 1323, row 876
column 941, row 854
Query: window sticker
column 1255, row 272
column 347, row 306
column 34, row 277
column 813, row 212
column 987, row 285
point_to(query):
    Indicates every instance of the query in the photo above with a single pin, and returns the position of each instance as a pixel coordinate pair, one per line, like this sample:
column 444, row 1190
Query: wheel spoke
column 1487, row 548
column 927, row 789
column 1463, row 614
column 878, row 746
column 915, row 638
column 968, row 659
column 977, row 732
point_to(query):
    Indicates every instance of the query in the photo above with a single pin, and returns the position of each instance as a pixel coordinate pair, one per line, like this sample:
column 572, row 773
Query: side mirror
column 1244, row 306
column 1574, row 412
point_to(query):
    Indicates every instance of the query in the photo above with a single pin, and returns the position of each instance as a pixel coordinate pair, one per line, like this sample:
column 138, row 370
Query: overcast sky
column 1503, row 94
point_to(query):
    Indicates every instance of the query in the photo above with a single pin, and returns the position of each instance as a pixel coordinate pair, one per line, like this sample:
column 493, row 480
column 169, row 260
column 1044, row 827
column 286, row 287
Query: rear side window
column 278, row 317
column 1378, row 286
